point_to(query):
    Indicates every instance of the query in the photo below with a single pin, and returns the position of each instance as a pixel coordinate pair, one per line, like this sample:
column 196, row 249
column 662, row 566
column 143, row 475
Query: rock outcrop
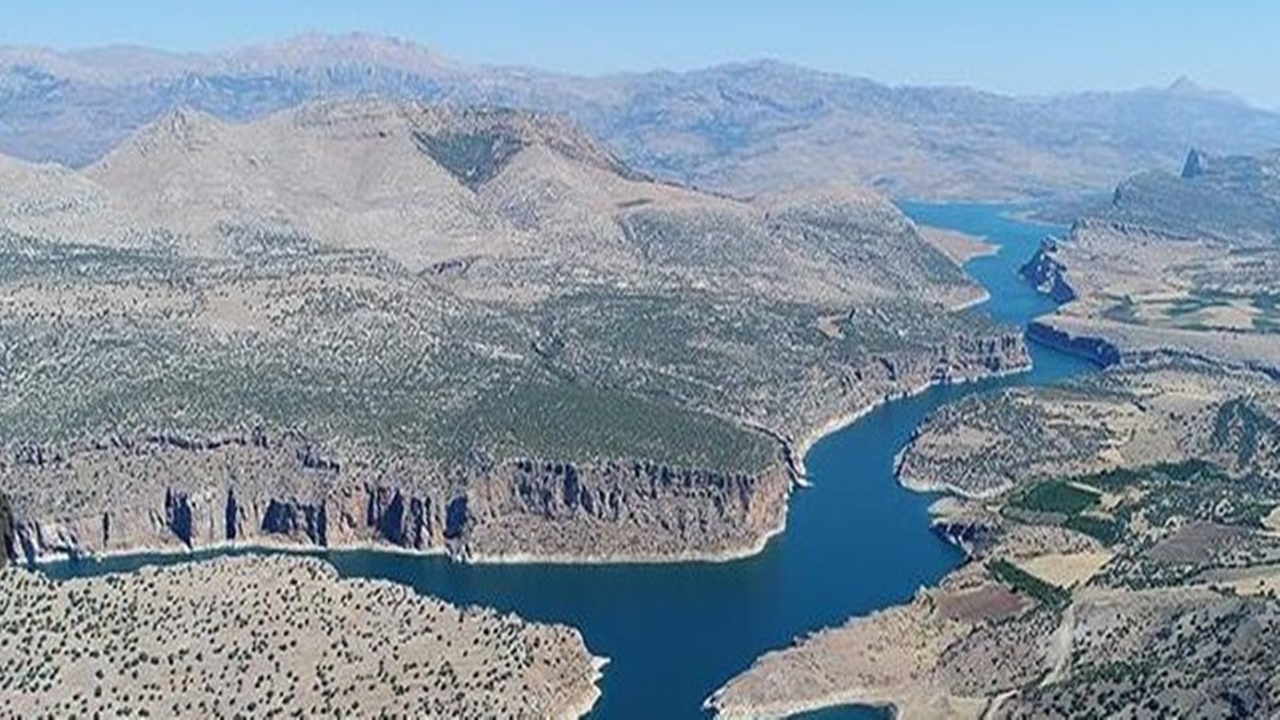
column 622, row 510
column 8, row 542
column 1094, row 349
column 1045, row 272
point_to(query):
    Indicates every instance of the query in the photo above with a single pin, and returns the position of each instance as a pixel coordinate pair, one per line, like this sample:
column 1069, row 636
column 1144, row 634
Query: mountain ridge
column 742, row 128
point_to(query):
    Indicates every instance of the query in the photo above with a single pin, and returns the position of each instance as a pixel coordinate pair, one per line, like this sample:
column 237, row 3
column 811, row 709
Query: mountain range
column 744, row 128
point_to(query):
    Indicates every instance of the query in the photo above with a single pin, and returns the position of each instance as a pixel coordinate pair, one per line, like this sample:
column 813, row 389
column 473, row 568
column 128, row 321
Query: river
column 855, row 541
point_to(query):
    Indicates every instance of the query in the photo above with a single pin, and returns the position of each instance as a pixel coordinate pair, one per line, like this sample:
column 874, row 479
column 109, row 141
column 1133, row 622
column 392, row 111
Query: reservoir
column 855, row 542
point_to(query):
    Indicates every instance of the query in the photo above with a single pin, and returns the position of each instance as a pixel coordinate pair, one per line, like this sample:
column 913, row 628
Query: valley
column 729, row 611
column 1117, row 525
column 340, row 378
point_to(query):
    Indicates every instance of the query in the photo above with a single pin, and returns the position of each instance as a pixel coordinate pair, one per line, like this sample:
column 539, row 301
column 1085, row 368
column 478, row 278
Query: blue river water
column 855, row 542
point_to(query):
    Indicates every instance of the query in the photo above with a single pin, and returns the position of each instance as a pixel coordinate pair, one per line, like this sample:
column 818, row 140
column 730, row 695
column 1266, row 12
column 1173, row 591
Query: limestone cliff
column 165, row 492
column 1047, row 273
column 610, row 510
column 8, row 546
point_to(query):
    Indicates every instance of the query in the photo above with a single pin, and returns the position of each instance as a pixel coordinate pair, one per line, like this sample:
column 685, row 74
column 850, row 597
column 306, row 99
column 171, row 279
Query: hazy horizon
column 1005, row 47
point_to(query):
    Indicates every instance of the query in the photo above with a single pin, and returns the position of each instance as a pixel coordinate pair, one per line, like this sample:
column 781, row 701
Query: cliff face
column 640, row 510
column 158, row 493
column 962, row 358
column 1094, row 349
column 8, row 545
column 1047, row 274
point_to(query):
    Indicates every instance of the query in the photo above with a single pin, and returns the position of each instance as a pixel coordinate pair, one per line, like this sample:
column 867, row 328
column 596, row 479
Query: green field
column 1056, row 496
column 1028, row 584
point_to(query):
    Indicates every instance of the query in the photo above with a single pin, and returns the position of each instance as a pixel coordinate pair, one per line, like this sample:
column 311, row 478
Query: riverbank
column 477, row 559
column 693, row 625
column 840, row 422
column 958, row 246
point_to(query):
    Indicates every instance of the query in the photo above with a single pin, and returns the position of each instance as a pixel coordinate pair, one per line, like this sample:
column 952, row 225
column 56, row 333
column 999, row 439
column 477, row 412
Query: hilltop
column 742, row 128
column 1175, row 263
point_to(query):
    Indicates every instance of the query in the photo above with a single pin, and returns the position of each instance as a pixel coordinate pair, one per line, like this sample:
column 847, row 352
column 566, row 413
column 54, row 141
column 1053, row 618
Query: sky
column 1026, row 47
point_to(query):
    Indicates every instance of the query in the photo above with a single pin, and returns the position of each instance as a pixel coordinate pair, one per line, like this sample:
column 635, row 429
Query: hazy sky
column 1018, row 46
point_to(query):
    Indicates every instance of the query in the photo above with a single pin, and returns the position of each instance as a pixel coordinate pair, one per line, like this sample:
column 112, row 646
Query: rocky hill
column 743, row 128
column 448, row 329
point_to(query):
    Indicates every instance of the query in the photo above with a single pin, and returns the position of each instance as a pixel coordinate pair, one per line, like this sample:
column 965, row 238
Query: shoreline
column 787, row 710
column 942, row 488
column 799, row 450
column 584, row 705
column 802, row 447
column 959, row 247
column 224, row 546
column 983, row 298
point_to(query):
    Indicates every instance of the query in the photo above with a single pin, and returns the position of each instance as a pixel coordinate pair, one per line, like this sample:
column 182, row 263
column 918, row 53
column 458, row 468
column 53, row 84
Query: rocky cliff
column 1048, row 274
column 957, row 359
column 8, row 544
column 169, row 492
column 1094, row 349
column 620, row 510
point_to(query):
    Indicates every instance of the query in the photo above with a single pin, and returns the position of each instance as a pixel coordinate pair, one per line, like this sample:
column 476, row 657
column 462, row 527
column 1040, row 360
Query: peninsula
column 275, row 636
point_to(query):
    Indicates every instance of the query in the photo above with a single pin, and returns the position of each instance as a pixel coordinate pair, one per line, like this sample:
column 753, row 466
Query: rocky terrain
column 1172, row 285
column 1175, row 265
column 8, row 533
column 1136, row 414
column 1121, row 528
column 179, row 493
column 274, row 636
column 745, row 128
column 461, row 330
column 1132, row 593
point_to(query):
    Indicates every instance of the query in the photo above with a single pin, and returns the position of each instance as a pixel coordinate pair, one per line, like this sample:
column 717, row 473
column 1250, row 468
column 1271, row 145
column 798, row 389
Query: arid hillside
column 470, row 330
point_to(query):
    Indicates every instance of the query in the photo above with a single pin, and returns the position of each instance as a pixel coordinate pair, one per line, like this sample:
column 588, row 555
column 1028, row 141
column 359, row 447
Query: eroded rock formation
column 157, row 492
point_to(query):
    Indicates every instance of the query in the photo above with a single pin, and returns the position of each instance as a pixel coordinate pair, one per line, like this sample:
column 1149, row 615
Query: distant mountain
column 740, row 128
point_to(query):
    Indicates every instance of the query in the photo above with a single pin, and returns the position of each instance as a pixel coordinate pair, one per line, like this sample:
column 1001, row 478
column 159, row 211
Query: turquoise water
column 855, row 542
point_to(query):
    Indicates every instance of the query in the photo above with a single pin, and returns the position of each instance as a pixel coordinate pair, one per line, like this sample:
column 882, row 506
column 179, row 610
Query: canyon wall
column 165, row 492
column 8, row 542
